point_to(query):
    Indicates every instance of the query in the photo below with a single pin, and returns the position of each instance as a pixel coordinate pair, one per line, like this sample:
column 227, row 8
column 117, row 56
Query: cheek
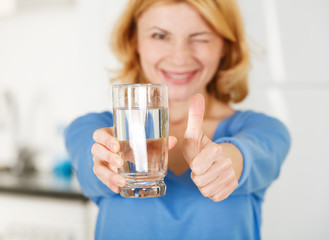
column 210, row 61
column 208, row 54
column 150, row 53
column 150, row 56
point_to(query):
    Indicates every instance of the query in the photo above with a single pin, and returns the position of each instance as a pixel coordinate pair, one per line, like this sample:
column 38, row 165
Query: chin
column 179, row 94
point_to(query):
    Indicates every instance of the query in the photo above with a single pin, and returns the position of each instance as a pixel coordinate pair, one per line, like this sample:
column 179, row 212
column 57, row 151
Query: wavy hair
column 229, row 84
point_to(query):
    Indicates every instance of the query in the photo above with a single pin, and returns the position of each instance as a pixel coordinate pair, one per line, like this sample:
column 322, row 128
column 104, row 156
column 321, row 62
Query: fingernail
column 121, row 182
column 195, row 170
column 114, row 147
column 117, row 162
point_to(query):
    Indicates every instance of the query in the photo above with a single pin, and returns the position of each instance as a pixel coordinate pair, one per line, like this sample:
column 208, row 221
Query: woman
column 222, row 160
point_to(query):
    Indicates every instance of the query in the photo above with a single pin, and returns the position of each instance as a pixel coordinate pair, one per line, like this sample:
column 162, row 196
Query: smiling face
column 177, row 47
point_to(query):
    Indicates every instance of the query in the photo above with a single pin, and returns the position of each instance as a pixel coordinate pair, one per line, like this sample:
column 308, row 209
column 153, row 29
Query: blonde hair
column 229, row 84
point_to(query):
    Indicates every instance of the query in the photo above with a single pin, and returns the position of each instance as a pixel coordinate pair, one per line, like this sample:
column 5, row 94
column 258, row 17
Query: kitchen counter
column 41, row 185
column 44, row 206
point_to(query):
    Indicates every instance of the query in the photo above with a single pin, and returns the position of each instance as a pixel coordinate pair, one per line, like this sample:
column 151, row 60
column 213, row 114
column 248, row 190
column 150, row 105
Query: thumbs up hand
column 212, row 169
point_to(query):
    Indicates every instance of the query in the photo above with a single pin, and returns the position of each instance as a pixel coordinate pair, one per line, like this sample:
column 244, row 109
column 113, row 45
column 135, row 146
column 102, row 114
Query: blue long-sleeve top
column 184, row 213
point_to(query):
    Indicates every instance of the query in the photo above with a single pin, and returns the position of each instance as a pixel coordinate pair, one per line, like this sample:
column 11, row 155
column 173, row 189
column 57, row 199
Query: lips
column 179, row 77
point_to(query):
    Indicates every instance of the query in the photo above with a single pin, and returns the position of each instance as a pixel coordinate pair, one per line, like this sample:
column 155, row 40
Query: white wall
column 291, row 82
column 54, row 60
column 59, row 55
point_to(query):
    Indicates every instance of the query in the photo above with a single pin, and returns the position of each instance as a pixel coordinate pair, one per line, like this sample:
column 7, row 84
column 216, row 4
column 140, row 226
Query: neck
column 178, row 111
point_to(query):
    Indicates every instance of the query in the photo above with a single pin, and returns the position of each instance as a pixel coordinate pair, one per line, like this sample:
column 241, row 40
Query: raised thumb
column 195, row 117
column 193, row 135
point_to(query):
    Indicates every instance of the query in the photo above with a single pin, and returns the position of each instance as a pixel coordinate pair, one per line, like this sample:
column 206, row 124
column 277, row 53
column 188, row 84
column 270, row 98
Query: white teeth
column 178, row 76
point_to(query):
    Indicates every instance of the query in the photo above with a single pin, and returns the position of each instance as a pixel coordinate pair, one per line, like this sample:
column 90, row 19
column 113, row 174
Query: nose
column 180, row 53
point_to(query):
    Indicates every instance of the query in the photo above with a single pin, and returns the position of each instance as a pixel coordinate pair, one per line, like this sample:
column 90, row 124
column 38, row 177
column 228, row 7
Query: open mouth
column 179, row 77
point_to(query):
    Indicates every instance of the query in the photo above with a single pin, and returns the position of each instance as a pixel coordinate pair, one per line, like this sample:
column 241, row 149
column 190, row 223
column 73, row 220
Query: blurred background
column 54, row 62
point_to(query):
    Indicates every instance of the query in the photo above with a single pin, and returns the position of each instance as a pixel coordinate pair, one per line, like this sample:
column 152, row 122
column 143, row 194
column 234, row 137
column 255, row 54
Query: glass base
column 143, row 189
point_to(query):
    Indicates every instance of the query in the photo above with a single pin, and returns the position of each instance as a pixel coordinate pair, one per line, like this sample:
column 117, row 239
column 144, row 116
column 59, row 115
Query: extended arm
column 79, row 140
column 264, row 143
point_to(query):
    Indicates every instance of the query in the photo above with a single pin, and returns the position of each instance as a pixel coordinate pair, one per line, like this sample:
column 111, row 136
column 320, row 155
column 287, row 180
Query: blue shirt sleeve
column 264, row 143
column 78, row 141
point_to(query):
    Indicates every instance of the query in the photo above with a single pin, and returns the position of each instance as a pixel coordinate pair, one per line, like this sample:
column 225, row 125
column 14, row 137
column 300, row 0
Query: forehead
column 180, row 16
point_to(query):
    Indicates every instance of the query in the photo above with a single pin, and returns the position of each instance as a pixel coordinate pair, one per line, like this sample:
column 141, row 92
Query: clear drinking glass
column 140, row 121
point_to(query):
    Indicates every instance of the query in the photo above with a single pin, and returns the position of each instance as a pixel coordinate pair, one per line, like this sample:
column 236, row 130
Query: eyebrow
column 157, row 28
column 191, row 35
column 201, row 33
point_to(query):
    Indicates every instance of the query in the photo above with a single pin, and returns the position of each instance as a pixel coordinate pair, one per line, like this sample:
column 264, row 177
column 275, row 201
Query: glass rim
column 131, row 85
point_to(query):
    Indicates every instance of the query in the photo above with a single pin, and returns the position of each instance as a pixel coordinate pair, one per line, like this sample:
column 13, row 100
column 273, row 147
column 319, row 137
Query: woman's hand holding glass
column 107, row 160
